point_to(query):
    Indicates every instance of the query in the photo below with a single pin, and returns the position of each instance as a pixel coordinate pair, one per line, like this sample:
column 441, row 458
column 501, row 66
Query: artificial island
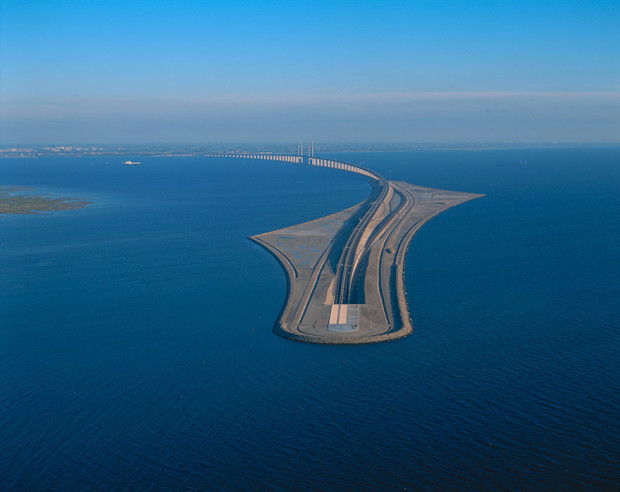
column 345, row 272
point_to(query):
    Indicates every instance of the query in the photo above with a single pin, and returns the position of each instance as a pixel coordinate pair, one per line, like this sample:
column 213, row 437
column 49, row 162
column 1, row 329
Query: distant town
column 162, row 150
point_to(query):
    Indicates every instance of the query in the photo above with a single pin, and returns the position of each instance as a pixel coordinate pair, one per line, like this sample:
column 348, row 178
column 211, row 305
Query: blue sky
column 201, row 71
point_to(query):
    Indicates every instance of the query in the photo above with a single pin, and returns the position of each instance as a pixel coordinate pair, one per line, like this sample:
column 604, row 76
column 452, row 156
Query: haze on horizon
column 355, row 71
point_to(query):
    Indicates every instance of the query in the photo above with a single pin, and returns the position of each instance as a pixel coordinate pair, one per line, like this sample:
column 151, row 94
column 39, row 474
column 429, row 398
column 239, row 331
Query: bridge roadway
column 362, row 299
column 345, row 291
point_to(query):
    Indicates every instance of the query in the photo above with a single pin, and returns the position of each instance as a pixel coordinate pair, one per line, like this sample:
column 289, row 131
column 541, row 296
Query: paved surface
column 360, row 298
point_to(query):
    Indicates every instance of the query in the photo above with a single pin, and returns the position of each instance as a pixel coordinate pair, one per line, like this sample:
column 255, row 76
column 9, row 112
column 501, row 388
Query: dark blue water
column 136, row 349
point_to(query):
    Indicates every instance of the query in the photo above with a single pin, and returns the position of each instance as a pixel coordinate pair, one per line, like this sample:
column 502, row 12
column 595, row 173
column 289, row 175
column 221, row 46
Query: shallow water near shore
column 136, row 349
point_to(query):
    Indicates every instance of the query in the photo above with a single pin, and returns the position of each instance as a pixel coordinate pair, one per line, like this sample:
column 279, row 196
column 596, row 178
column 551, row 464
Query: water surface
column 136, row 347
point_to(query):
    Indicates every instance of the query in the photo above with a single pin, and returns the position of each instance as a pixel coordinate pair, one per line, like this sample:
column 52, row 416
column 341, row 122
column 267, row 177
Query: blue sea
column 136, row 350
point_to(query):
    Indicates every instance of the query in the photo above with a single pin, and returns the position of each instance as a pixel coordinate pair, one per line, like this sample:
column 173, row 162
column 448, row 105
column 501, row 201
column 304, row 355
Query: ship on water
column 131, row 163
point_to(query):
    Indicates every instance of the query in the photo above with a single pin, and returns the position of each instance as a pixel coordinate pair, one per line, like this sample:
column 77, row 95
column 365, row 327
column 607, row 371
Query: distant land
column 163, row 150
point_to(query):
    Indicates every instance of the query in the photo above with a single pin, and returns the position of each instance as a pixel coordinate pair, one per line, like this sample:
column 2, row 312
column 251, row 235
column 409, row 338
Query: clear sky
column 244, row 71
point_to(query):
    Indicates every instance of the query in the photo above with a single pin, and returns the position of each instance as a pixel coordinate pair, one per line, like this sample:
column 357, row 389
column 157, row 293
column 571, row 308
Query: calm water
column 136, row 349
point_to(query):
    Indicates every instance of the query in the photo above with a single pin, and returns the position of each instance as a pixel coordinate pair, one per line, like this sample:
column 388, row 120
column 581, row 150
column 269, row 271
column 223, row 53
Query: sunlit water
column 136, row 349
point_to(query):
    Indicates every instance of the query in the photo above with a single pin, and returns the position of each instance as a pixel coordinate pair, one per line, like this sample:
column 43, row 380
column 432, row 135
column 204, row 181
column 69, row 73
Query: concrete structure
column 345, row 271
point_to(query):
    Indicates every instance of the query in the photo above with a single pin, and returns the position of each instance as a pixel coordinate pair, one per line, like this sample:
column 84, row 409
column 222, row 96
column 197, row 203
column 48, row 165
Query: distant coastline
column 197, row 150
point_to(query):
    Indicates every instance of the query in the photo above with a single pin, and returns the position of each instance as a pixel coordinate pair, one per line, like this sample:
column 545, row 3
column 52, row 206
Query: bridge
column 345, row 272
column 300, row 159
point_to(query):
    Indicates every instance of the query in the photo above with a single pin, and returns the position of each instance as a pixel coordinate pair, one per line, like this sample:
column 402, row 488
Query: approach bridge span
column 312, row 161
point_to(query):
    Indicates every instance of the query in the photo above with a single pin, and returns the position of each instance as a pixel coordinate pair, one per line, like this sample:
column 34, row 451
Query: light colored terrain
column 361, row 299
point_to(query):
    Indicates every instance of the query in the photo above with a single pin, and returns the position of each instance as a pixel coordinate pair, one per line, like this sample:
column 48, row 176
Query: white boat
column 131, row 163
